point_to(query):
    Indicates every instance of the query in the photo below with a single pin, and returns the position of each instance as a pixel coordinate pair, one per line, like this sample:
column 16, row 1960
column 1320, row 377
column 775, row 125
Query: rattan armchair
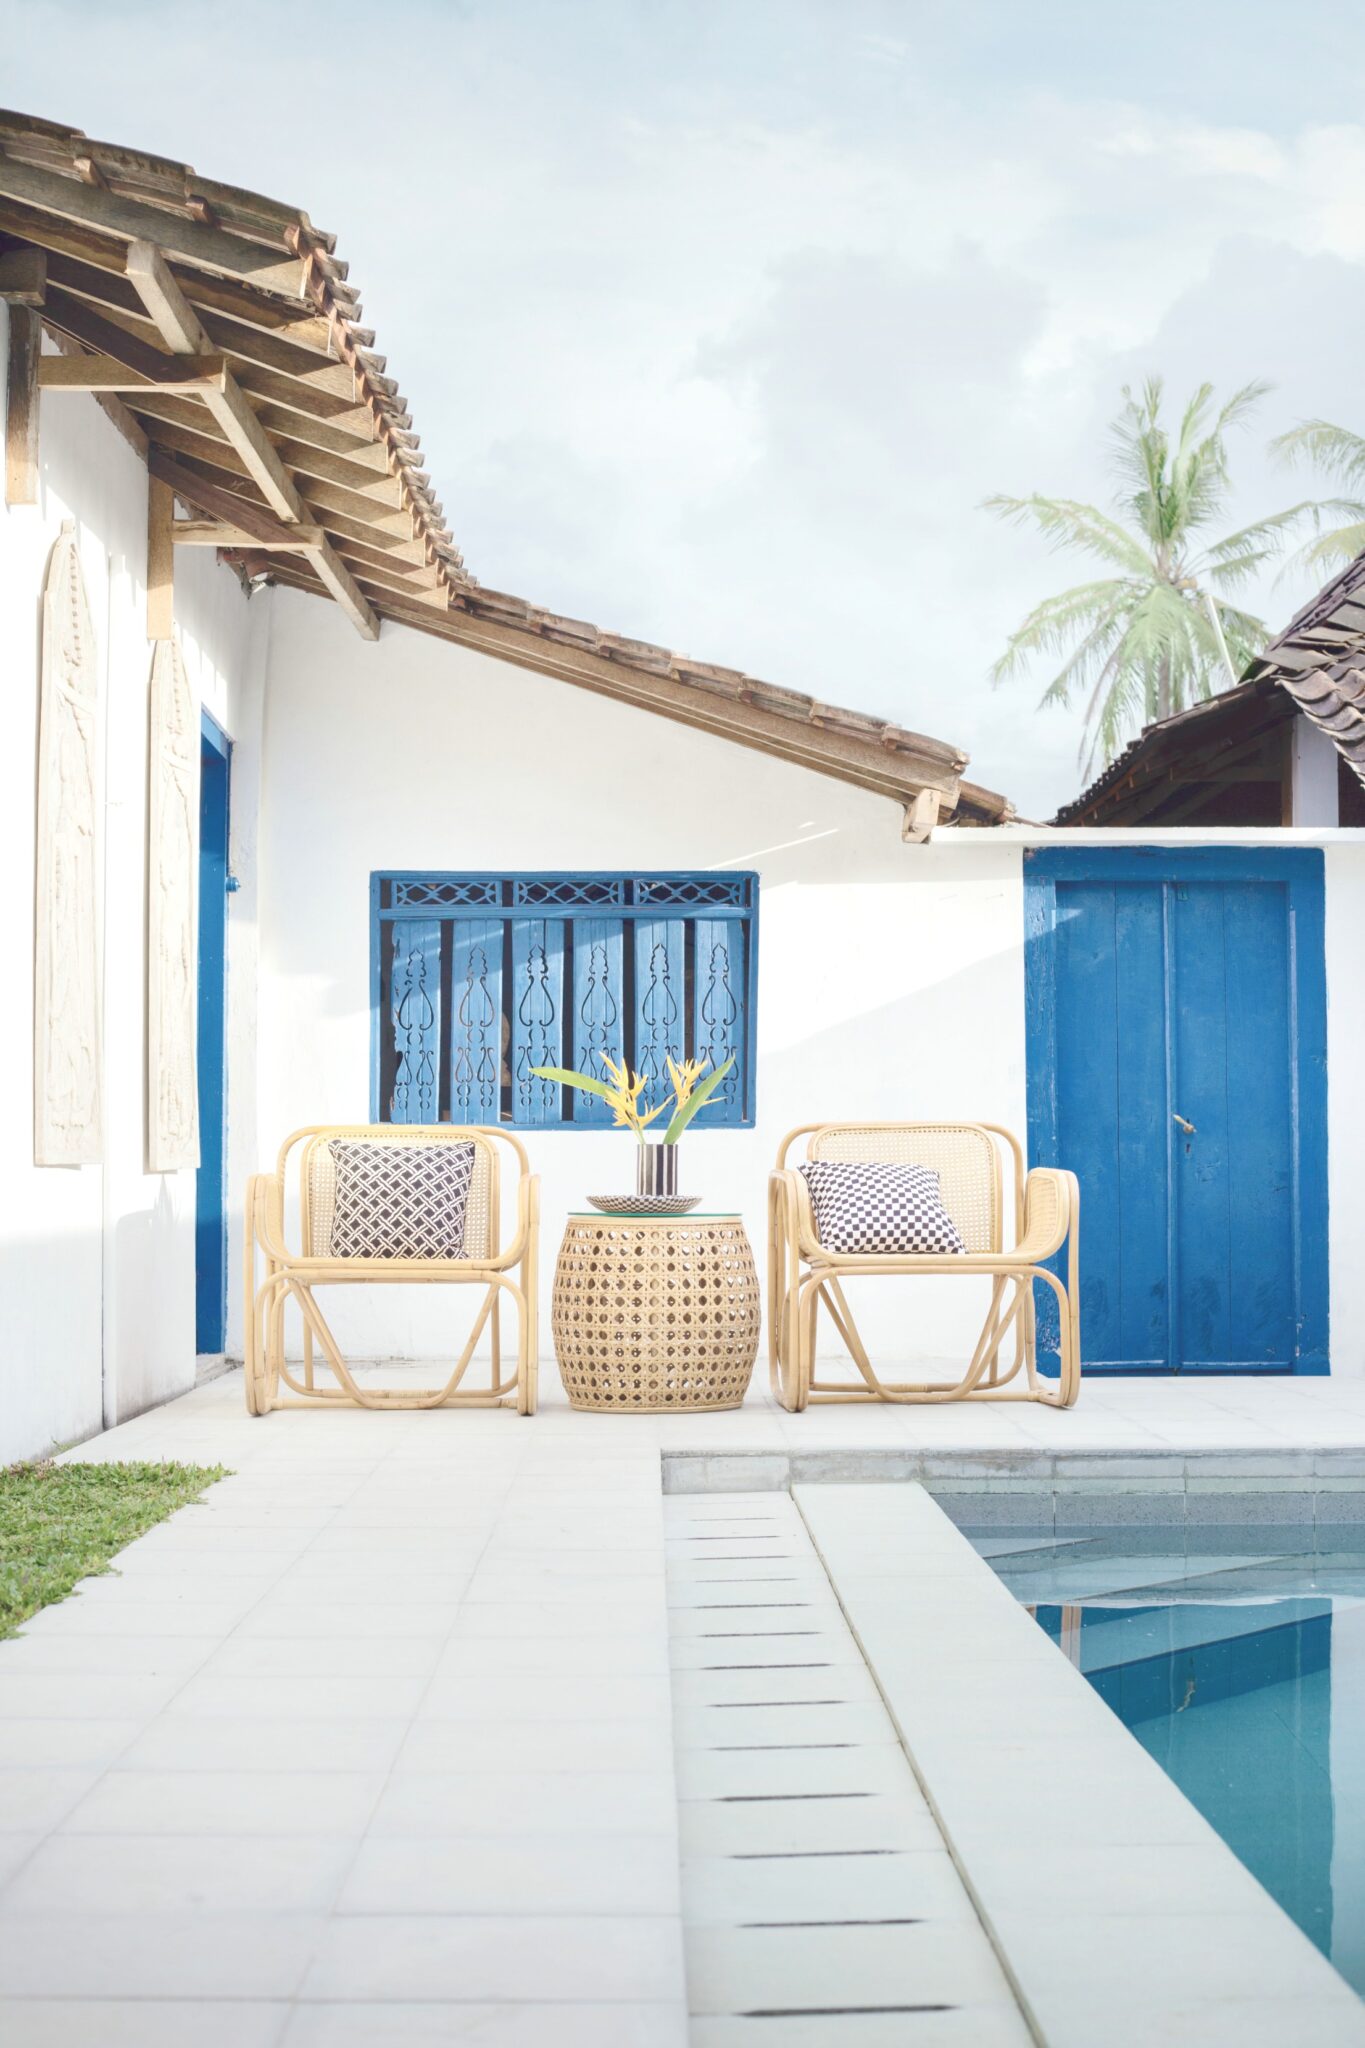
column 1044, row 1211
column 275, row 1274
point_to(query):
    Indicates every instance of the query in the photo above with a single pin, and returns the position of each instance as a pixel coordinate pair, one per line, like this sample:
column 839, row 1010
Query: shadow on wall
column 95, row 1330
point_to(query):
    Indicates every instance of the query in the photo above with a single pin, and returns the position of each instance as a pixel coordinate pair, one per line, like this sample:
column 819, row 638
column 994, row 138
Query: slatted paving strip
column 821, row 1908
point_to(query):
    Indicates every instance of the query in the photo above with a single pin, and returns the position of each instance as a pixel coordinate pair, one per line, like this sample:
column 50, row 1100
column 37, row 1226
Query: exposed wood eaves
column 308, row 429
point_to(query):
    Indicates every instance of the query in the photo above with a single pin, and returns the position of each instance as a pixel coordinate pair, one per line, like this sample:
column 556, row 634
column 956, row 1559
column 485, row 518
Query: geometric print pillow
column 400, row 1201
column 864, row 1206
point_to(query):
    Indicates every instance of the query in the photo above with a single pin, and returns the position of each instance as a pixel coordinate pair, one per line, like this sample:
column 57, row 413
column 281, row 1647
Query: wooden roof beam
column 215, row 533
column 102, row 373
column 132, row 220
column 179, row 326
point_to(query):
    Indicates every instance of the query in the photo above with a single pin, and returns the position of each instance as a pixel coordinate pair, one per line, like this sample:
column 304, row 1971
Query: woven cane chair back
column 320, row 1181
column 964, row 1156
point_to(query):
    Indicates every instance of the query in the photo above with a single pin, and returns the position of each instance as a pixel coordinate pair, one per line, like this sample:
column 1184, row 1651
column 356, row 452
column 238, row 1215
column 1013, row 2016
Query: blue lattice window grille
column 476, row 979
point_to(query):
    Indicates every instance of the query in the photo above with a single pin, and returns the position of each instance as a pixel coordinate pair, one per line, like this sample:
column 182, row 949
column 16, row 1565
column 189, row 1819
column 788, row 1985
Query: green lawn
column 60, row 1523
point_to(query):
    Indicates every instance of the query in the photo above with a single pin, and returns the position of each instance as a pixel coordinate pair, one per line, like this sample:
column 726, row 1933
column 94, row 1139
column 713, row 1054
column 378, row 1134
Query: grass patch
column 61, row 1523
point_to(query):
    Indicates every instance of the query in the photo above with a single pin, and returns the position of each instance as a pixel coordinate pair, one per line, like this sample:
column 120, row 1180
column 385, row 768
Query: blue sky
column 718, row 321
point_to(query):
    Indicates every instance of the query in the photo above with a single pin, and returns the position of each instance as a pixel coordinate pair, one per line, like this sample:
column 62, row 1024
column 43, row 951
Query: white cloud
column 719, row 322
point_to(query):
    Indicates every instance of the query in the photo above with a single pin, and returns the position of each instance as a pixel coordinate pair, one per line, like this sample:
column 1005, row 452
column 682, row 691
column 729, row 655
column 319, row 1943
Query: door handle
column 1183, row 1122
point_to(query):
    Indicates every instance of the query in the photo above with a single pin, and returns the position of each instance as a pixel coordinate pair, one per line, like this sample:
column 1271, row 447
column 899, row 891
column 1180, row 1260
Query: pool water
column 1237, row 1659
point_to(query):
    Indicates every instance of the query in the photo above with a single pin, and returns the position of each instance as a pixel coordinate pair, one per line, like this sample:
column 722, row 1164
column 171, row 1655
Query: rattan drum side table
column 652, row 1313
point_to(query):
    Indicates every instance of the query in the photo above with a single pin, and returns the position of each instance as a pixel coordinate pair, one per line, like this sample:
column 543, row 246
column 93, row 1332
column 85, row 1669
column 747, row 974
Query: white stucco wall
column 97, row 1262
column 891, row 977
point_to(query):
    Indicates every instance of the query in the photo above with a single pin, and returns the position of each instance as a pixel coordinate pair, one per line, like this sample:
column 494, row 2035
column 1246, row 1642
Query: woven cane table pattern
column 655, row 1314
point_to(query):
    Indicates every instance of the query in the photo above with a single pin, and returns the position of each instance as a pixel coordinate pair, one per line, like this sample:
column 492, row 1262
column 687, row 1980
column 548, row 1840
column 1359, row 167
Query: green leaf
column 568, row 1079
column 698, row 1099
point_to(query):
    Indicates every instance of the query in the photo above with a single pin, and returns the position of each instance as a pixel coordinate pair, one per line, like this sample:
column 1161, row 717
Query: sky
column 719, row 320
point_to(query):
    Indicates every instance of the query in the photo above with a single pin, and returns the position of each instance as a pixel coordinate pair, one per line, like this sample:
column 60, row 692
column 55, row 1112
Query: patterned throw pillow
column 868, row 1206
column 400, row 1201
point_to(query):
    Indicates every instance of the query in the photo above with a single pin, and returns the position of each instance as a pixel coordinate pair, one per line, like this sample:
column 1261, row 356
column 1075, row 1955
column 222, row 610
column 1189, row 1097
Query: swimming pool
column 1237, row 1658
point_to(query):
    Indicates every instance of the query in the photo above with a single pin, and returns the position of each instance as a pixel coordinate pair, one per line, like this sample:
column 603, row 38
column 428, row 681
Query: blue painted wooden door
column 210, row 1197
column 1177, row 1063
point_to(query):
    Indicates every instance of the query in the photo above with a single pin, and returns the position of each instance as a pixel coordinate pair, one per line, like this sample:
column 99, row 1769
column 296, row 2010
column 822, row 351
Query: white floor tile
column 147, row 1873
column 614, row 1874
column 529, row 1960
column 151, row 2022
column 227, row 1802
column 427, row 2025
column 527, row 1802
column 176, row 1955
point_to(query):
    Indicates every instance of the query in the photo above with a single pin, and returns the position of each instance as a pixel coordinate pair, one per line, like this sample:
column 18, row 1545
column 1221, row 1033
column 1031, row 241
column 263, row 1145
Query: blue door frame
column 210, row 1198
column 1177, row 1061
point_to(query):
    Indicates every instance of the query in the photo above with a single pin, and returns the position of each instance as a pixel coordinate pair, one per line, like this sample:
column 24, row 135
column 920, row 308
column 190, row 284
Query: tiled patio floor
column 376, row 1745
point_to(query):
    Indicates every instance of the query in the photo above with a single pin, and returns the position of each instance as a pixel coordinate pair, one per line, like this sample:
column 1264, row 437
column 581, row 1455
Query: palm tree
column 1340, row 455
column 1160, row 632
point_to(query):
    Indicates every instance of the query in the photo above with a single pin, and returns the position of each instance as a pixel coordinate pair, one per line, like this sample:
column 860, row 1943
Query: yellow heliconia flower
column 624, row 1097
column 684, row 1078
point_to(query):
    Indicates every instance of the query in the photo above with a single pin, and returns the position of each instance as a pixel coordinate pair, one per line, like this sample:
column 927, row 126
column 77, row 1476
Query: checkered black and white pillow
column 400, row 1201
column 871, row 1206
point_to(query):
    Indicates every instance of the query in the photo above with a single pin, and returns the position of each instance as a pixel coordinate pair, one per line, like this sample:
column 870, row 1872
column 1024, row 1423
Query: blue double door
column 1177, row 1063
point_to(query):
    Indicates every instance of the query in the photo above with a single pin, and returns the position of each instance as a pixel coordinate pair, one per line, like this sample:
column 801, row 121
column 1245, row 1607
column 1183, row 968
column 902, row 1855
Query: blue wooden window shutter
column 476, row 979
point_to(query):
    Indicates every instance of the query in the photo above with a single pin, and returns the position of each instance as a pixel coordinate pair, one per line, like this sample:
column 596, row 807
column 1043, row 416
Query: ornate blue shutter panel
column 537, row 1018
column 478, row 978
column 476, row 1021
column 599, row 1008
column 718, row 981
column 415, row 1005
column 659, row 995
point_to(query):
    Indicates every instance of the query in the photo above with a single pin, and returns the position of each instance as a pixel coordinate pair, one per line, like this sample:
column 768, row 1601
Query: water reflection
column 1237, row 1659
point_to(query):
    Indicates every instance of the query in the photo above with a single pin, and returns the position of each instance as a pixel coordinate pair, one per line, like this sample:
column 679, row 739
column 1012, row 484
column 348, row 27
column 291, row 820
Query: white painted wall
column 891, row 977
column 97, row 1262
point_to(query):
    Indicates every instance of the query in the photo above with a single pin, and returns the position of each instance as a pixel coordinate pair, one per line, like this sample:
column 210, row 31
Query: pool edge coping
column 970, row 1780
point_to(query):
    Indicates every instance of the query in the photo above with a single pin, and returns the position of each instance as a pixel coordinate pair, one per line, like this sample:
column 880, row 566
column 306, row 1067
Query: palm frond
column 1070, row 523
column 1336, row 451
column 1050, row 626
column 1331, row 550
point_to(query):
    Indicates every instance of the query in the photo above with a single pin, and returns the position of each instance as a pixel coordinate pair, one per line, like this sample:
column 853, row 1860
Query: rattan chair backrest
column 319, row 1181
column 964, row 1156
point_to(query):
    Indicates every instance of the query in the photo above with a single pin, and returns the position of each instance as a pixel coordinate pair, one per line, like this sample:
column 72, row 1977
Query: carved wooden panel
column 659, row 983
column 415, row 985
column 599, row 1009
column 172, row 866
column 537, row 1018
column 68, row 1108
column 477, row 1026
column 718, row 1030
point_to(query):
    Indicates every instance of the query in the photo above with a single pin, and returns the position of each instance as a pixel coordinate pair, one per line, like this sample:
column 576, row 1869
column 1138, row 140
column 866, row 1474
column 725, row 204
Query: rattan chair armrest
column 1049, row 1208
column 528, row 1216
column 794, row 1193
column 265, row 1205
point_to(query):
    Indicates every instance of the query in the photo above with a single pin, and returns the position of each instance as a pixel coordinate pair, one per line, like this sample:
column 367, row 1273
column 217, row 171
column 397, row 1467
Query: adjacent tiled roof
column 1161, row 748
column 1318, row 660
column 270, row 294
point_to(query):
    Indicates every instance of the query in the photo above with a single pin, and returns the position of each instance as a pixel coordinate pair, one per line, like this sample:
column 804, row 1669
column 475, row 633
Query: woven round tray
column 655, row 1313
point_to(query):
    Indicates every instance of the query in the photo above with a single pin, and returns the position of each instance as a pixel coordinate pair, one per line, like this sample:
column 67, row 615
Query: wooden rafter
column 21, row 405
column 206, row 248
column 102, row 373
column 179, row 327
column 301, row 464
